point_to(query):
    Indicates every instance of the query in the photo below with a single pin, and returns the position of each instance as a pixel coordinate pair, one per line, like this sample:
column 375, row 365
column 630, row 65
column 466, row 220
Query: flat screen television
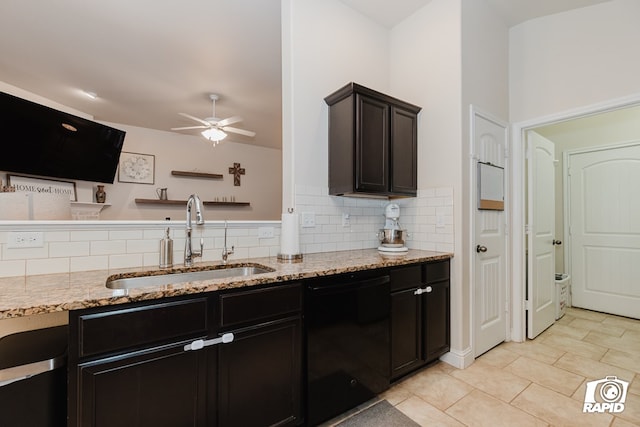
column 39, row 140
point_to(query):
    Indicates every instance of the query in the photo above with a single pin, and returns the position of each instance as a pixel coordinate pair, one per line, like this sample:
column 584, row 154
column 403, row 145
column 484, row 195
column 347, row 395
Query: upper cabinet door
column 404, row 151
column 373, row 142
column 372, row 145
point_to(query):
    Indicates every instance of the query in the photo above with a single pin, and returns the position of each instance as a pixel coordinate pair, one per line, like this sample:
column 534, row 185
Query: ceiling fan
column 215, row 129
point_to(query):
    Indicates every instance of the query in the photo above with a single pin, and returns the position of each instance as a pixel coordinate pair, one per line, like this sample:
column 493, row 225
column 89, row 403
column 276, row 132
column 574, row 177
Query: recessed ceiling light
column 91, row 95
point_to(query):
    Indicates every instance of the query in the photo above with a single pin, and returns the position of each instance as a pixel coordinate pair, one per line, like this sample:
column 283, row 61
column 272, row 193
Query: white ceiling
column 513, row 12
column 148, row 60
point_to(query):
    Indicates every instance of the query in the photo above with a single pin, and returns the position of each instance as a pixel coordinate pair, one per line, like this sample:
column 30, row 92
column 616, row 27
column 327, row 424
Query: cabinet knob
column 428, row 289
column 481, row 248
column 556, row 242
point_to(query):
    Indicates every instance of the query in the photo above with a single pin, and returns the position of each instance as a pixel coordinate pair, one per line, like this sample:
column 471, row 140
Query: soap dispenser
column 166, row 251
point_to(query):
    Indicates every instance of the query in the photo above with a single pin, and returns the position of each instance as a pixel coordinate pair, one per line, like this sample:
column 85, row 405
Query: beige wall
column 329, row 45
column 574, row 59
column 261, row 185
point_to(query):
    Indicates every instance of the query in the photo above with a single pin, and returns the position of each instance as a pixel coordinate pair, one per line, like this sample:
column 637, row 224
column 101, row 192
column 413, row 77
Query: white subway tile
column 108, row 247
column 12, row 268
column 47, row 266
column 68, row 249
column 57, row 236
column 258, row 252
column 88, row 263
column 91, row 235
column 126, row 261
column 142, row 246
column 26, row 253
column 128, row 234
column 444, row 191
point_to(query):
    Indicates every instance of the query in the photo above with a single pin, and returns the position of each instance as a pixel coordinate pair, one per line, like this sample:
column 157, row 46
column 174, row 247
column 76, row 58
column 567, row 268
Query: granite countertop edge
column 31, row 295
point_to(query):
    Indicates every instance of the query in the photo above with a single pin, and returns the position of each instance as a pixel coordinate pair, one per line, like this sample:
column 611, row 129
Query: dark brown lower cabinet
column 420, row 324
column 128, row 365
column 158, row 388
column 260, row 376
column 406, row 320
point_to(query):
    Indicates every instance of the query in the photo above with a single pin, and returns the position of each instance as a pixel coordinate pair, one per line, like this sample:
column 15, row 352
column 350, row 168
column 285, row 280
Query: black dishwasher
column 347, row 344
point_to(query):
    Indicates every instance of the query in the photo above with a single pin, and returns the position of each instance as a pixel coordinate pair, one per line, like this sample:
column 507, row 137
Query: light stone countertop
column 29, row 295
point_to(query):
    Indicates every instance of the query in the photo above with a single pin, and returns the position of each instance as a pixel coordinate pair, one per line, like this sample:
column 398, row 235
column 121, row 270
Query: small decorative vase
column 101, row 195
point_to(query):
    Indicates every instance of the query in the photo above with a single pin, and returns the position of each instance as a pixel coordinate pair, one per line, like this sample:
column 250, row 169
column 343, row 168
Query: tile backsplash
column 341, row 223
column 346, row 223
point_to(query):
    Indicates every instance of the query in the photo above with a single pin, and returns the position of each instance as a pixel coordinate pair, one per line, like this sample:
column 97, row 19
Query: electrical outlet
column 265, row 232
column 25, row 239
column 308, row 219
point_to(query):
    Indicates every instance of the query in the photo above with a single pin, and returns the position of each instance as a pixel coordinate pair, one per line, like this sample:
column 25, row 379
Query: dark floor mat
column 382, row 414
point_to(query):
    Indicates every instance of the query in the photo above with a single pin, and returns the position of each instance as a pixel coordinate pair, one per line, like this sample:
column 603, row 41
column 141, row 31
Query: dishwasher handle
column 363, row 283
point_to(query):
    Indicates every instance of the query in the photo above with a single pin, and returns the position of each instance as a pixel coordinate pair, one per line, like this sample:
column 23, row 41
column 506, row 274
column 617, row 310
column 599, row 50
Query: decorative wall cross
column 236, row 171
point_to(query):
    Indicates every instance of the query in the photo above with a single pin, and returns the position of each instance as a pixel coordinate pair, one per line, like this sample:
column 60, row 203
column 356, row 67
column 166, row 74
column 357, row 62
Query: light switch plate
column 346, row 220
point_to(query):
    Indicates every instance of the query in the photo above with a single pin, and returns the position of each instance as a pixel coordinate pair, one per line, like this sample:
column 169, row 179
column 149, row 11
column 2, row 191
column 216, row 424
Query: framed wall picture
column 490, row 187
column 27, row 184
column 136, row 167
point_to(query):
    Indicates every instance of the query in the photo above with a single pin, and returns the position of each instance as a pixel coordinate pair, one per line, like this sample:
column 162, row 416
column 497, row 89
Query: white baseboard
column 460, row 359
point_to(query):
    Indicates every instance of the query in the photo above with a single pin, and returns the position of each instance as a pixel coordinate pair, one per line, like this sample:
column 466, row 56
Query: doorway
column 602, row 124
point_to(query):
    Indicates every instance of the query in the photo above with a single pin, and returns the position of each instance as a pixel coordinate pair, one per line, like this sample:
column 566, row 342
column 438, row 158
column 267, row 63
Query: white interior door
column 604, row 206
column 541, row 220
column 489, row 287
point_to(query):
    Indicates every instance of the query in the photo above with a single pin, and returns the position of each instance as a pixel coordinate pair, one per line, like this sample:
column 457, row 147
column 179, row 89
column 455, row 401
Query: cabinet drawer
column 126, row 328
column 406, row 277
column 257, row 305
column 436, row 271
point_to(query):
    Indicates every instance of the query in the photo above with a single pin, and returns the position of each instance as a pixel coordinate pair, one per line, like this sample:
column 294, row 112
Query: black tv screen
column 39, row 140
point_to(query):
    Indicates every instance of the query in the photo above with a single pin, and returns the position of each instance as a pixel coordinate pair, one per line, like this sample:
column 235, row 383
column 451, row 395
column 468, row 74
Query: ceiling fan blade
column 190, row 127
column 204, row 122
column 228, row 121
column 239, row 131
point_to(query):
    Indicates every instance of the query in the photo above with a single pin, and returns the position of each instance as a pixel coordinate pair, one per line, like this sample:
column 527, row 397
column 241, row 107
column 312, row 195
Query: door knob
column 556, row 242
column 481, row 248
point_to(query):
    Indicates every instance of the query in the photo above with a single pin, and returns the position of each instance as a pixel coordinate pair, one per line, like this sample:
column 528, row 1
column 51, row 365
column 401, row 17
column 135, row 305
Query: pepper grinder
column 166, row 251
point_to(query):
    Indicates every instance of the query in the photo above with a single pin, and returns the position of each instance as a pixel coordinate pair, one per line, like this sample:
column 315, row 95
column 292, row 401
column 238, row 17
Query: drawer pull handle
column 421, row 291
column 199, row 344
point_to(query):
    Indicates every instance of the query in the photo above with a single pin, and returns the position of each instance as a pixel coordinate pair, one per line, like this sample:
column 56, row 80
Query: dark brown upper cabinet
column 373, row 143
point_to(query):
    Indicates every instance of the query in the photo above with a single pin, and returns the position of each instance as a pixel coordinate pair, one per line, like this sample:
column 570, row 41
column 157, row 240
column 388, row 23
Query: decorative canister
column 101, row 195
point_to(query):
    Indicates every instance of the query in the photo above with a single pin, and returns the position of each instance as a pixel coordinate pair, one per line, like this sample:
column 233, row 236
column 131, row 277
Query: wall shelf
column 90, row 205
column 87, row 210
column 184, row 202
column 197, row 174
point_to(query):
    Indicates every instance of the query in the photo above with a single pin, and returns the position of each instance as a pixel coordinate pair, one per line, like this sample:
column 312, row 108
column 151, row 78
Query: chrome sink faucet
column 226, row 252
column 189, row 255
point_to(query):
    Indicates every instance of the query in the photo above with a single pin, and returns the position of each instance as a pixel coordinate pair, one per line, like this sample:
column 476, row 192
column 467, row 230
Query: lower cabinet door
column 162, row 388
column 260, row 376
column 437, row 323
column 406, row 332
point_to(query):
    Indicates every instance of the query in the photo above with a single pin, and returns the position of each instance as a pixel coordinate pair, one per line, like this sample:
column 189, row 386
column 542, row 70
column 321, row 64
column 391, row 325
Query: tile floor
column 535, row 383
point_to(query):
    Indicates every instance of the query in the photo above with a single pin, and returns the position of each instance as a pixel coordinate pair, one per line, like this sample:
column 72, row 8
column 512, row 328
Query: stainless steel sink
column 218, row 272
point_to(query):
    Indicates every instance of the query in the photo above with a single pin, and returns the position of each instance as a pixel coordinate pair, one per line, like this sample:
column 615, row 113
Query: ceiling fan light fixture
column 213, row 134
